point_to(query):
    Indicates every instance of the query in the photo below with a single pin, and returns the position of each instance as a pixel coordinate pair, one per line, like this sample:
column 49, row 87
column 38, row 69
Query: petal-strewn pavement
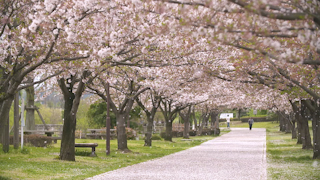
column 240, row 154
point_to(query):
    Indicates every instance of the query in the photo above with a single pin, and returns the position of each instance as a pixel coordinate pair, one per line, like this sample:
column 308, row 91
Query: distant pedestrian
column 250, row 121
column 228, row 121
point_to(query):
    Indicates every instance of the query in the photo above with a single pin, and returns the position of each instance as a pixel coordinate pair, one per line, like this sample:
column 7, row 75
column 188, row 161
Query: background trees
column 230, row 54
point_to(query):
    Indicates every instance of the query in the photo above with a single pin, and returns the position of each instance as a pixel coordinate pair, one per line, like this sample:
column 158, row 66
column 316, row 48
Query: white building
column 224, row 115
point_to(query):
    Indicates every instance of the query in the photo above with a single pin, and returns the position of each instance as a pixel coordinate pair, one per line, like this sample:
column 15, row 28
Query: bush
column 156, row 137
column 205, row 132
column 192, row 133
column 36, row 140
column 131, row 133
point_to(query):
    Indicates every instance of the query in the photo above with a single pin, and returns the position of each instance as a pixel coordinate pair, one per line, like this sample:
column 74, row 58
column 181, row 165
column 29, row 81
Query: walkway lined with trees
column 240, row 154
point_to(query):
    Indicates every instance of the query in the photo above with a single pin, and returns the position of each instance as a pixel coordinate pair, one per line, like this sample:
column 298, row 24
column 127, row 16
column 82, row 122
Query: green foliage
column 97, row 115
column 82, row 118
column 24, row 150
column 156, row 137
column 50, row 115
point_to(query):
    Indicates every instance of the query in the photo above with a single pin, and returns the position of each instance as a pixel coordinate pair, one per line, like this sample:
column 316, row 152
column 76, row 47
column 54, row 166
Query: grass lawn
column 286, row 160
column 42, row 163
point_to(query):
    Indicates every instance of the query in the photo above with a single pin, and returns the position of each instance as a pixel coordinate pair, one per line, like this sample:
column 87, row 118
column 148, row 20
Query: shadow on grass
column 81, row 153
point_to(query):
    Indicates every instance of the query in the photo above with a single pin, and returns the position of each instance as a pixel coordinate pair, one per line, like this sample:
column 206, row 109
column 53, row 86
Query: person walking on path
column 250, row 121
column 228, row 121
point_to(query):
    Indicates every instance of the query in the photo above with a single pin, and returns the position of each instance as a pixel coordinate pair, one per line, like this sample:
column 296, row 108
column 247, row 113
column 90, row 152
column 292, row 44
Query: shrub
column 156, row 137
column 36, row 140
column 192, row 133
column 131, row 133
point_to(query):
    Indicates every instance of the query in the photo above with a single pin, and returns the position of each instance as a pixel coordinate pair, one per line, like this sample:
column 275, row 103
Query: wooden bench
column 100, row 133
column 55, row 139
column 48, row 133
column 92, row 145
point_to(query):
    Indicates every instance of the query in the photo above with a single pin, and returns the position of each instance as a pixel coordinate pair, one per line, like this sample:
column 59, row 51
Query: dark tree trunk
column 297, row 116
column 282, row 122
column 121, row 132
column 186, row 118
column 294, row 130
column 168, row 136
column 316, row 134
column 186, row 129
column 215, row 122
column 286, row 123
column 299, row 129
column 71, row 104
column 4, row 126
column 199, row 132
column 148, row 134
column 16, row 122
column 150, row 117
column 30, row 123
column 169, row 116
column 204, row 119
column 305, row 134
column 315, row 116
column 67, row 151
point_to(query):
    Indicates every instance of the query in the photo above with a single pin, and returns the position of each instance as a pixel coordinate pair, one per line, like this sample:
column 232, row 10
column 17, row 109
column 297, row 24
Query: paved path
column 240, row 154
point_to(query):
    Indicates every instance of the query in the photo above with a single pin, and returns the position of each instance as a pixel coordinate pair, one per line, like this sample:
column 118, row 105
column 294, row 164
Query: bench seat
column 92, row 145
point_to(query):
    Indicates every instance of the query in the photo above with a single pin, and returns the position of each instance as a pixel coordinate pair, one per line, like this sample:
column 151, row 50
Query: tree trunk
column 150, row 117
column 299, row 129
column 316, row 134
column 168, row 136
column 215, row 122
column 148, row 134
column 121, row 132
column 67, row 150
column 305, row 134
column 71, row 105
column 282, row 122
column 205, row 118
column 186, row 128
column 30, row 123
column 4, row 125
column 297, row 116
column 294, row 130
column 185, row 115
column 16, row 122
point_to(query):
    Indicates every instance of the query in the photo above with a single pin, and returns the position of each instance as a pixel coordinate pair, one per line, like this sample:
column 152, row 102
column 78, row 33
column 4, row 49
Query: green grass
column 286, row 160
column 239, row 124
column 43, row 163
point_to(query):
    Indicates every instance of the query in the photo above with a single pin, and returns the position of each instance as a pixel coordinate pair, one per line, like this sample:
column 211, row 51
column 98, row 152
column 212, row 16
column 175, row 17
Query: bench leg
column 93, row 153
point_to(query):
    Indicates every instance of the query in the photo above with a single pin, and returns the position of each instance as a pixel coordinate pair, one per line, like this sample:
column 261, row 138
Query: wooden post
column 108, row 123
